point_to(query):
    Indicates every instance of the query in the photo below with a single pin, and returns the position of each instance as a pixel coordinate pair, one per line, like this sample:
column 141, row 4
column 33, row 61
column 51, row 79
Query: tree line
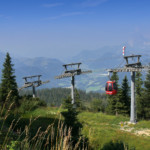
column 9, row 95
column 120, row 103
column 115, row 104
column 56, row 96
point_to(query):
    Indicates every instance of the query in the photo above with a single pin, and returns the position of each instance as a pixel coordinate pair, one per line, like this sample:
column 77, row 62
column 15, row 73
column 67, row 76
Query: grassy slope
column 99, row 128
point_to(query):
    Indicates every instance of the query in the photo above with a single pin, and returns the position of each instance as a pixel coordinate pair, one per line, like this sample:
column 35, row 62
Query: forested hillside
column 55, row 96
column 83, row 124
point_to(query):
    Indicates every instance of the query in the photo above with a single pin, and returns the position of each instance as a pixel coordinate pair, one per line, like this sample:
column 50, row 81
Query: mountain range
column 96, row 60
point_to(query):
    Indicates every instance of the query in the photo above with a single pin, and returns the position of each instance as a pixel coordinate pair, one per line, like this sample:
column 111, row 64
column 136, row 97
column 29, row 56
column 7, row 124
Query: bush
column 117, row 145
column 29, row 104
column 97, row 105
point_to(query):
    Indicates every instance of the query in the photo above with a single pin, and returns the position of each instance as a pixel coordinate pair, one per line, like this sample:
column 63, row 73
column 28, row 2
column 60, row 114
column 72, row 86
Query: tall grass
column 14, row 137
column 50, row 139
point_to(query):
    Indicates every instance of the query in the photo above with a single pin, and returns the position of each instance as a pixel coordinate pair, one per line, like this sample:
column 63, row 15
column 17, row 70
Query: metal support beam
column 132, row 67
column 34, row 93
column 109, row 74
column 72, row 74
column 133, row 104
column 33, row 84
column 126, row 60
column 138, row 59
column 72, row 89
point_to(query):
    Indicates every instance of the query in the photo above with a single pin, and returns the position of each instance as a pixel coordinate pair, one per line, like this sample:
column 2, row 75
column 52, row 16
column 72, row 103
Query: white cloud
column 93, row 3
column 52, row 5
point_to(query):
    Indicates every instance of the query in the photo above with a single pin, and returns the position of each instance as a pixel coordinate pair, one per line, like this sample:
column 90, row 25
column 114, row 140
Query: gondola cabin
column 111, row 88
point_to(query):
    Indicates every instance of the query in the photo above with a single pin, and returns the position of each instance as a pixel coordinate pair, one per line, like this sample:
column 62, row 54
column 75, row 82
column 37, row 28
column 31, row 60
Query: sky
column 63, row 28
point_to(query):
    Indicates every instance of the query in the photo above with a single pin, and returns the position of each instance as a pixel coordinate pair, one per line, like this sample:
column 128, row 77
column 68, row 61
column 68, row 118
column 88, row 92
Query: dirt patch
column 141, row 132
column 129, row 127
column 144, row 132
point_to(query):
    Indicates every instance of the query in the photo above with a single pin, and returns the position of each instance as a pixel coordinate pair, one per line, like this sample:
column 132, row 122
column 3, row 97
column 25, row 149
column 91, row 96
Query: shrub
column 29, row 104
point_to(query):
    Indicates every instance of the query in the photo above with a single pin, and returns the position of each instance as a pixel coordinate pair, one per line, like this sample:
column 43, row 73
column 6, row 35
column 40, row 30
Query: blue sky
column 63, row 28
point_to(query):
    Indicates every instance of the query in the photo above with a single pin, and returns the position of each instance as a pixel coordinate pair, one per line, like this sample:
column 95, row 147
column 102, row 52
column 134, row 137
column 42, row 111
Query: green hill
column 103, row 131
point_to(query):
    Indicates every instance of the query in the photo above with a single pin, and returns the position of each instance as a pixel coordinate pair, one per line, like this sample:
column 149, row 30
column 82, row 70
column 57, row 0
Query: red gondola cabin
column 111, row 88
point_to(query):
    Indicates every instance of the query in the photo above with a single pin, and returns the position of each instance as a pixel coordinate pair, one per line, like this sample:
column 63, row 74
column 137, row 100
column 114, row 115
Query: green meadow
column 102, row 130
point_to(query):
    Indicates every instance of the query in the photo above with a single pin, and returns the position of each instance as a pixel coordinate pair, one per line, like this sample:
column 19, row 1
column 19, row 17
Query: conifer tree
column 113, row 100
column 70, row 119
column 125, row 98
column 78, row 102
column 115, row 78
column 8, row 82
column 97, row 105
column 146, row 98
column 119, row 103
column 139, row 93
column 119, row 106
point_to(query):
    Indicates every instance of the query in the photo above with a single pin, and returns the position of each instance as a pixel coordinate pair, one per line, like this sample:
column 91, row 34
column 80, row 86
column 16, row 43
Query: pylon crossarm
column 25, row 86
column 46, row 82
column 85, row 72
column 42, row 83
column 131, row 56
column 72, row 73
column 66, row 75
column 36, row 83
column 31, row 76
column 132, row 67
column 72, row 64
column 129, row 69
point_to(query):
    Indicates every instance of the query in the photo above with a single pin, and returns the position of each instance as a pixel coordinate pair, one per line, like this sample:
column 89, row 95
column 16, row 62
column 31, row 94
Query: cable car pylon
column 36, row 83
column 72, row 73
column 133, row 68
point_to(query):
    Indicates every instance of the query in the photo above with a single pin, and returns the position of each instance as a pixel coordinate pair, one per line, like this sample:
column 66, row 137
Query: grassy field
column 100, row 129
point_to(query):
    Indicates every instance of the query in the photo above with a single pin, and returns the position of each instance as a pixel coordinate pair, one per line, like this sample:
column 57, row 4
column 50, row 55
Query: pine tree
column 119, row 106
column 8, row 82
column 78, row 102
column 139, row 93
column 119, row 103
column 70, row 119
column 113, row 100
column 115, row 78
column 125, row 98
column 97, row 105
column 146, row 98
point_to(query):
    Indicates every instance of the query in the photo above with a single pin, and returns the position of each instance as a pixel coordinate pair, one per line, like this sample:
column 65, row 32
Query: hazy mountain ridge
column 108, row 57
column 47, row 67
column 97, row 60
